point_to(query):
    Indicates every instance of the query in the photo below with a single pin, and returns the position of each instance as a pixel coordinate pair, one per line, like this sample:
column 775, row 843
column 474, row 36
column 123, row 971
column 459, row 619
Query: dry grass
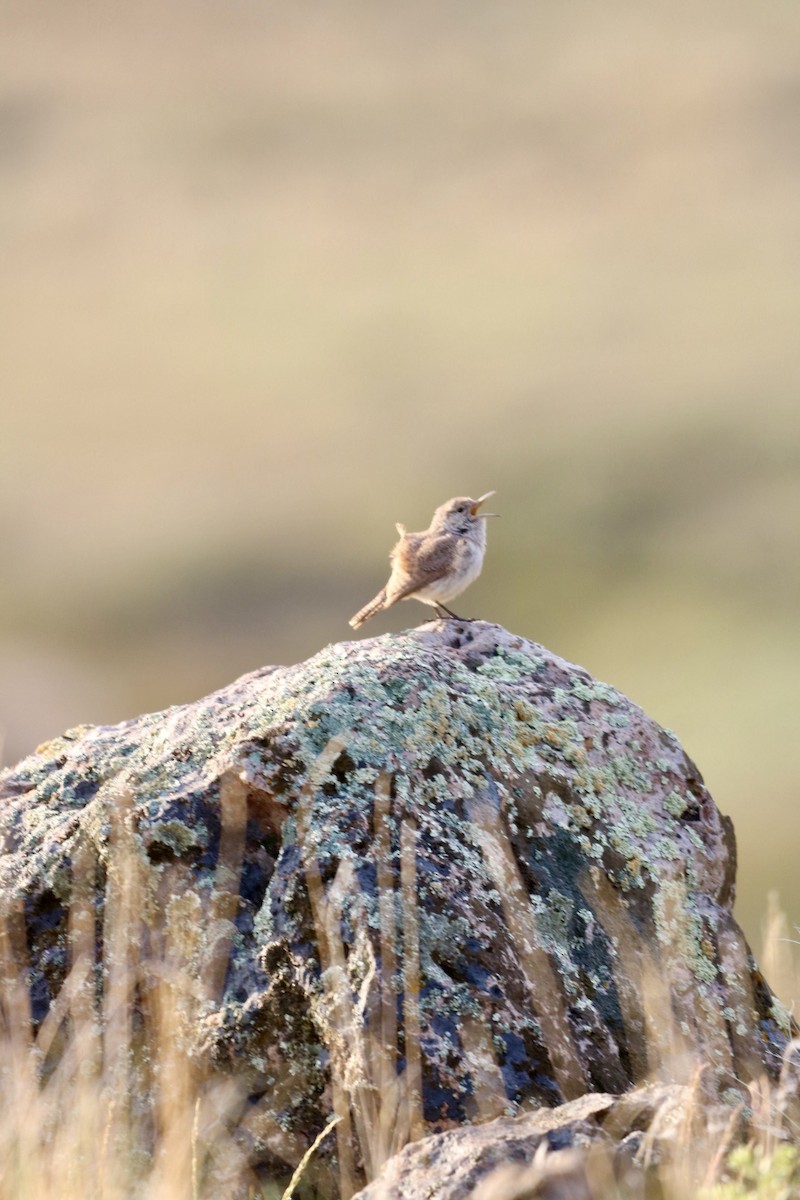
column 84, row 1128
column 252, row 253
column 105, row 1100
column 108, row 1100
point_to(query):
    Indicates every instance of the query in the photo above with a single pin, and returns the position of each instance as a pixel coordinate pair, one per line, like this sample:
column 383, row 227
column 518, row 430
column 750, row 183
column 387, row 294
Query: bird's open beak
column 479, row 502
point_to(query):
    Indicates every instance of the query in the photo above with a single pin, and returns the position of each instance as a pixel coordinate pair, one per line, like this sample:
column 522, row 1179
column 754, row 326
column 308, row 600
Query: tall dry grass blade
column 779, row 958
column 82, row 955
column 354, row 1049
column 603, row 902
column 304, row 1161
column 390, row 1089
column 224, row 906
column 488, row 1094
column 716, row 1160
column 151, row 1123
column 657, row 1047
column 685, row 1170
column 19, row 1087
column 316, row 891
column 316, row 894
column 386, row 1069
column 122, row 935
column 170, row 1012
column 742, row 1044
column 601, row 1180
column 369, row 1097
column 196, row 1151
column 541, row 979
column 58, row 1012
column 15, row 1003
column 411, row 980
column 765, row 1120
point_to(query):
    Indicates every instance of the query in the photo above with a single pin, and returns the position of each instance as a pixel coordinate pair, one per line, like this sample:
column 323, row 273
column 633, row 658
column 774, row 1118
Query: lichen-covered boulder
column 422, row 880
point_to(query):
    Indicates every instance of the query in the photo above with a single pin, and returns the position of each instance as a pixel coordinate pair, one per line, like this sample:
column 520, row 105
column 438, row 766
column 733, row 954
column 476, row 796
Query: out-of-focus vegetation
column 278, row 276
column 113, row 1093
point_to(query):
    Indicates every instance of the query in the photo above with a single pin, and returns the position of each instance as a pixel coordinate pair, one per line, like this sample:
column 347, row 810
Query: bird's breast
column 466, row 567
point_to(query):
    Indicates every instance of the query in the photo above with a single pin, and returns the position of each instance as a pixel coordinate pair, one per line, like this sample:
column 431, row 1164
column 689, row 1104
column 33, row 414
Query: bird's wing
column 405, row 549
column 417, row 561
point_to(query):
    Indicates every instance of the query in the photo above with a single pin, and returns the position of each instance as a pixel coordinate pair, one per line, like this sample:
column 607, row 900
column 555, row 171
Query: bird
column 438, row 563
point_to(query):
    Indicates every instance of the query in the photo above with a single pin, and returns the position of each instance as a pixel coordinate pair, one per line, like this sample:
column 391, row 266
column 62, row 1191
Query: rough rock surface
column 430, row 878
column 597, row 1145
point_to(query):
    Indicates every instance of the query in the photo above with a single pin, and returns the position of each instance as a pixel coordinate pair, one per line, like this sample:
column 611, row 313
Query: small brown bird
column 437, row 564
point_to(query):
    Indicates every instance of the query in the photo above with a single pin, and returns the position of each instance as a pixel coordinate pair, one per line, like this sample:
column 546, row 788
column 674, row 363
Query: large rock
column 421, row 880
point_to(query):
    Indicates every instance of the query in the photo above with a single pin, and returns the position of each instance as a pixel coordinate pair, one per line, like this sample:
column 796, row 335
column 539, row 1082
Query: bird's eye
column 461, row 508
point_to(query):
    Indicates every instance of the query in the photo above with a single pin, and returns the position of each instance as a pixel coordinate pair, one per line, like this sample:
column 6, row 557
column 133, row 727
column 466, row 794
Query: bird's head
column 460, row 515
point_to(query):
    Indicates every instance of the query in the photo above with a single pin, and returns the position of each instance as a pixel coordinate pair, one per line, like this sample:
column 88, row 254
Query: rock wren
column 437, row 564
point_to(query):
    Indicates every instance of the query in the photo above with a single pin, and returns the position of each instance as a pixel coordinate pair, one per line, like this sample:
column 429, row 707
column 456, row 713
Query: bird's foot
column 453, row 616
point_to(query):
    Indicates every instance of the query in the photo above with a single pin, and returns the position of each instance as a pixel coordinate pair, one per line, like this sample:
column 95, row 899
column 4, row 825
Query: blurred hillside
column 278, row 276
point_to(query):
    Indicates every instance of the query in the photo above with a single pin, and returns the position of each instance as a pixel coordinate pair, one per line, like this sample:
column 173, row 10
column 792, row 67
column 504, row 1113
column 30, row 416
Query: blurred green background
column 277, row 276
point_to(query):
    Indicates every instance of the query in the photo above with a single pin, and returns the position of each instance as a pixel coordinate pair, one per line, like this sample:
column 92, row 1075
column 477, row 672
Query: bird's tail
column 369, row 610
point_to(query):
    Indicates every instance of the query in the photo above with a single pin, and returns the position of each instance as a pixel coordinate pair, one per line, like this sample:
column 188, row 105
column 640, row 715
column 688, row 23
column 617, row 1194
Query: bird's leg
column 450, row 612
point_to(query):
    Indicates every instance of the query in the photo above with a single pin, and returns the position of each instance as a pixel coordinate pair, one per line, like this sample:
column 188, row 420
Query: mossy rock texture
column 444, row 858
